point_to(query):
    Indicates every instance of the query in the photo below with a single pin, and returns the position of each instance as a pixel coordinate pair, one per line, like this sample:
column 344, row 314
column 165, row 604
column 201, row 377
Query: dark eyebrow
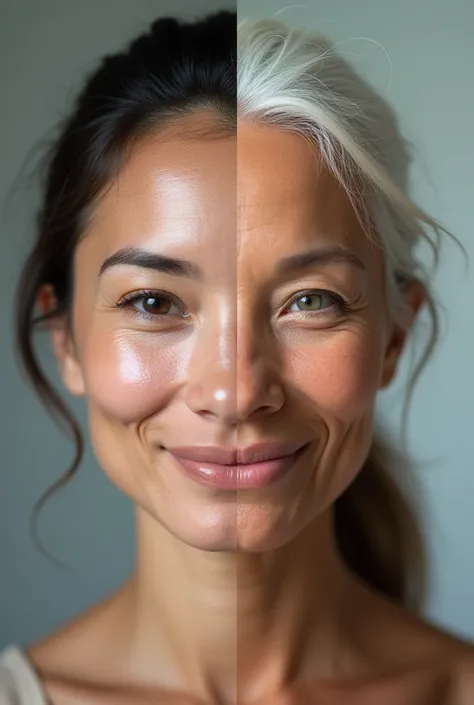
column 325, row 255
column 137, row 257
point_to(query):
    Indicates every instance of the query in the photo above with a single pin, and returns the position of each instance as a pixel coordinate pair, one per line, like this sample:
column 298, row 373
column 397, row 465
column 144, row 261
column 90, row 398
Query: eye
column 314, row 302
column 152, row 304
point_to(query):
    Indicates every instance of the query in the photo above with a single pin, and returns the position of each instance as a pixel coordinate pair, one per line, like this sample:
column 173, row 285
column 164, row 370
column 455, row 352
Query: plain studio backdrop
column 419, row 55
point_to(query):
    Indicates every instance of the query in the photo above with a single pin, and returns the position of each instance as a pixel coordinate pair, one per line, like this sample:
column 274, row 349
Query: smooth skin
column 236, row 597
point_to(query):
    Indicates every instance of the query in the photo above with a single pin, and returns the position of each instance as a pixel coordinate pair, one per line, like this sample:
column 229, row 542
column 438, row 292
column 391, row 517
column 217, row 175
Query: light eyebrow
column 138, row 257
column 320, row 256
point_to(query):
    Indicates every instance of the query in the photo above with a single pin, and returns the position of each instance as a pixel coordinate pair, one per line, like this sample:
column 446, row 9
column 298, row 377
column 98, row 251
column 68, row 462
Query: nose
column 233, row 376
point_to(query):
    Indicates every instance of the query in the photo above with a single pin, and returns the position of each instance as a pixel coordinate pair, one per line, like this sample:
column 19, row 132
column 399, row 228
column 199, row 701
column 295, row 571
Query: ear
column 415, row 296
column 63, row 343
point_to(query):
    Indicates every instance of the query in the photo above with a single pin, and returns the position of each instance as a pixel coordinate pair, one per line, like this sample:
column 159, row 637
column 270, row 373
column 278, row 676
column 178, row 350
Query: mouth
column 264, row 467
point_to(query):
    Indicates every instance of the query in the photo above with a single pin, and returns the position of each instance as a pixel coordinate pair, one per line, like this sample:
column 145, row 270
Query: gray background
column 46, row 48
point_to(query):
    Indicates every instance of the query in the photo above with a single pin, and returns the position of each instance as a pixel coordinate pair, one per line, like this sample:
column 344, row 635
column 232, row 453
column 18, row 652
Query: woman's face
column 248, row 342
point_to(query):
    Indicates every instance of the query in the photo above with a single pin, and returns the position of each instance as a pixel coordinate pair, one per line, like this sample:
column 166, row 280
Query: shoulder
column 447, row 662
column 400, row 641
column 461, row 691
column 84, row 648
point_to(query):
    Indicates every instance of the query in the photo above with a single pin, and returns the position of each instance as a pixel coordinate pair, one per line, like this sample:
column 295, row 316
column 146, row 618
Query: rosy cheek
column 339, row 379
column 131, row 377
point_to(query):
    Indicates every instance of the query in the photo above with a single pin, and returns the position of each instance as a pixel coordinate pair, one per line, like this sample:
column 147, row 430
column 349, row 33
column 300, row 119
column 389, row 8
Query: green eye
column 314, row 301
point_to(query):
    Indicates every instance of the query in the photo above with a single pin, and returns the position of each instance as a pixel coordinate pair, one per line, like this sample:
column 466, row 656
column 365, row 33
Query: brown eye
column 149, row 304
column 156, row 305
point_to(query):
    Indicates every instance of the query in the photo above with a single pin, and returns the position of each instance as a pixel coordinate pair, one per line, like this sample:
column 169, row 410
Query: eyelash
column 128, row 301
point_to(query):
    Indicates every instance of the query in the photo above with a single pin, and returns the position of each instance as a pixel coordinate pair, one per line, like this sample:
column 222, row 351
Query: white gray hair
column 295, row 80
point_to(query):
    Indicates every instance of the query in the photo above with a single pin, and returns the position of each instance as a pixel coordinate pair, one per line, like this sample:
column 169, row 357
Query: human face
column 235, row 357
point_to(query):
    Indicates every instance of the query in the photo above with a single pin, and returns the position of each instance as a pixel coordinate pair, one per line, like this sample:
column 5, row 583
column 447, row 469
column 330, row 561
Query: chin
column 205, row 528
column 262, row 528
column 247, row 529
column 234, row 526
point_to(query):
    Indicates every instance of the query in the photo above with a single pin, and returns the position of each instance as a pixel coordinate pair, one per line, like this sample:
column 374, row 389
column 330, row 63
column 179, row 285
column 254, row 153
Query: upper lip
column 256, row 453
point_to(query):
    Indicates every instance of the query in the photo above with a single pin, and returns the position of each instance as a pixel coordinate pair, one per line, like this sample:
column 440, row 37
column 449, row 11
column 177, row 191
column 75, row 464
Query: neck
column 223, row 625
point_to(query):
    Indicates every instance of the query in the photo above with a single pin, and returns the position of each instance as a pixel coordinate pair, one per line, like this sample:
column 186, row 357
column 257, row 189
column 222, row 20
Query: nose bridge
column 212, row 377
column 229, row 374
column 250, row 345
column 253, row 367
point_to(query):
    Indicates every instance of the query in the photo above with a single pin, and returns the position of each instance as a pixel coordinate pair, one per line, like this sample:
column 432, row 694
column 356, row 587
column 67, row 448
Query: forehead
column 285, row 189
column 268, row 191
column 174, row 193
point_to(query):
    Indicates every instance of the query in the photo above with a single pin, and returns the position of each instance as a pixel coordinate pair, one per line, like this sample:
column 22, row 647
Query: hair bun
column 165, row 28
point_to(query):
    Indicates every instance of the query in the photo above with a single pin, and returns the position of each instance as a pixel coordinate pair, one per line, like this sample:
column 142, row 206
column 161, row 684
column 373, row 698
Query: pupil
column 307, row 299
column 152, row 304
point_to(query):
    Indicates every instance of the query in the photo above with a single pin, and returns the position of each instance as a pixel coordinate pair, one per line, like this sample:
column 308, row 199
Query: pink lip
column 220, row 469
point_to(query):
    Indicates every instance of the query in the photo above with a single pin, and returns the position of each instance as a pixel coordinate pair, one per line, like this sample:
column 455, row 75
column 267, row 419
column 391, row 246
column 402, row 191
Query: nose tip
column 234, row 374
column 258, row 398
column 231, row 403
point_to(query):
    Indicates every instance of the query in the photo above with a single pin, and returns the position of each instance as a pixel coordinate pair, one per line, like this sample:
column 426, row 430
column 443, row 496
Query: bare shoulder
column 461, row 690
column 447, row 660
column 433, row 666
column 88, row 660
column 410, row 648
column 436, row 666
column 74, row 646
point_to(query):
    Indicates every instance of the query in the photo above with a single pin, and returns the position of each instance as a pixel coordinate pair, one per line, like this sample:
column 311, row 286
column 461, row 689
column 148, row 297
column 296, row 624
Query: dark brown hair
column 173, row 70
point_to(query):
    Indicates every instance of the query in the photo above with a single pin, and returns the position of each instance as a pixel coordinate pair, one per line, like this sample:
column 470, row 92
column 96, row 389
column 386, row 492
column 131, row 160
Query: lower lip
column 238, row 477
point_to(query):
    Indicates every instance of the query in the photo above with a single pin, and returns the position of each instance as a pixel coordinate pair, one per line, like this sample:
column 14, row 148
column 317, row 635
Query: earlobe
column 72, row 376
column 63, row 345
column 66, row 355
column 392, row 356
column 415, row 297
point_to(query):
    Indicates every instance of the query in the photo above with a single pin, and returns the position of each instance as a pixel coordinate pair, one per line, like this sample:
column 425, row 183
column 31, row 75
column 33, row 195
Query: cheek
column 339, row 376
column 131, row 376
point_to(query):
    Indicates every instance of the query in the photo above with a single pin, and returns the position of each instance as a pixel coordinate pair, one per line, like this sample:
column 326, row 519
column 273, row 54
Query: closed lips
column 257, row 453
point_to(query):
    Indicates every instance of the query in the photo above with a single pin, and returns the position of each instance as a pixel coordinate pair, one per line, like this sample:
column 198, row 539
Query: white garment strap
column 19, row 683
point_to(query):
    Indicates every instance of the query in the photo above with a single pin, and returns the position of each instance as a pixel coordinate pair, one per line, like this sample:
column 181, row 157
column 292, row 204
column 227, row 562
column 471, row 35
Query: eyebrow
column 137, row 257
column 320, row 256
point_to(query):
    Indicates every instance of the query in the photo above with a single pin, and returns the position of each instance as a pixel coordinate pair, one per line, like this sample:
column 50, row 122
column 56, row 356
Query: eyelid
column 313, row 292
column 142, row 293
column 128, row 301
column 340, row 301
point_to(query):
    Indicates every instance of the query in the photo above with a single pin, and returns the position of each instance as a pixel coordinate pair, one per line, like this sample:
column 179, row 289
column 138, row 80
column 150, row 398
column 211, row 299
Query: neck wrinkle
column 238, row 626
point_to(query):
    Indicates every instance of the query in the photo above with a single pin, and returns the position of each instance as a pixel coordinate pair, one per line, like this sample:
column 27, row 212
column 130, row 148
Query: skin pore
column 236, row 597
